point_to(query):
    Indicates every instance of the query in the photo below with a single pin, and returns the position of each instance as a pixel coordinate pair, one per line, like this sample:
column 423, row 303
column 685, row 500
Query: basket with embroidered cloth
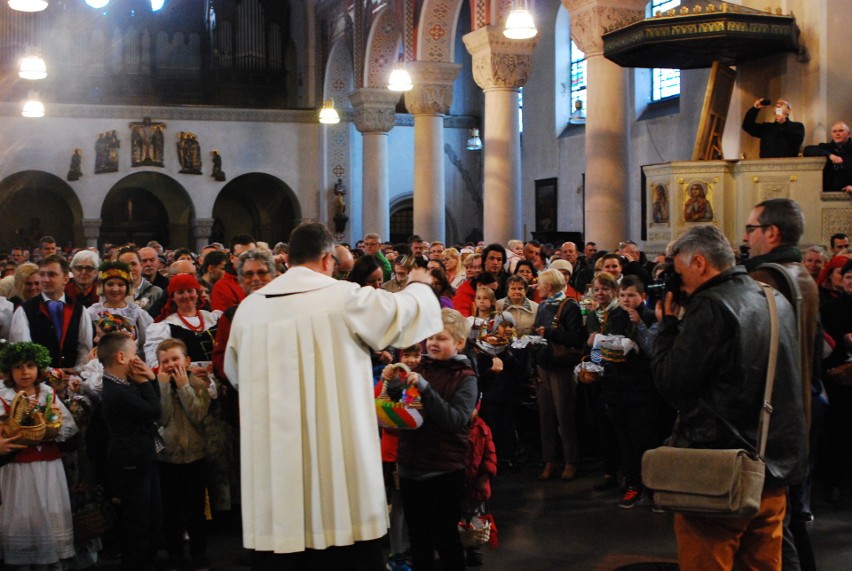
column 398, row 405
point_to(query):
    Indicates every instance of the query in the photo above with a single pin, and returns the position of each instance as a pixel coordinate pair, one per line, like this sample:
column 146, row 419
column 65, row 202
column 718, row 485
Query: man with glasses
column 83, row 286
column 53, row 320
column 299, row 354
column 372, row 247
column 772, row 231
column 712, row 364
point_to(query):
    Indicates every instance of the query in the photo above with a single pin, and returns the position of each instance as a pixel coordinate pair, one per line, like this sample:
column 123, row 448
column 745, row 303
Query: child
column 484, row 303
column 185, row 402
column 431, row 459
column 131, row 409
column 35, row 516
column 628, row 393
column 514, row 254
column 410, row 356
column 480, row 467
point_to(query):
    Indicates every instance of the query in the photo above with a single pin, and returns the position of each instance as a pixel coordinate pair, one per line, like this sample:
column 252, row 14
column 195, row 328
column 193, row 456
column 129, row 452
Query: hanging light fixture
column 97, row 3
column 519, row 24
column 33, row 106
column 474, row 143
column 157, row 4
column 328, row 115
column 32, row 67
column 28, row 5
column 399, row 79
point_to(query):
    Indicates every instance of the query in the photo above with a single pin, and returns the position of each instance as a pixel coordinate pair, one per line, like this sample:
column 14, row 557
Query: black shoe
column 473, row 557
column 609, row 482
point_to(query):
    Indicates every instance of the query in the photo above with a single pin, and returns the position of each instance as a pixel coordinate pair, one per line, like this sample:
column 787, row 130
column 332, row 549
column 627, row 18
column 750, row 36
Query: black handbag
column 563, row 355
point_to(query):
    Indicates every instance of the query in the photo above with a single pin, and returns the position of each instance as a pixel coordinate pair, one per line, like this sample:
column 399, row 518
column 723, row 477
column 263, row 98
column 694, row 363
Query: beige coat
column 311, row 463
column 182, row 423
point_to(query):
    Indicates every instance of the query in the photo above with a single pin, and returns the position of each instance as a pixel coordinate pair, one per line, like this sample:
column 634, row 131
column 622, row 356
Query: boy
column 131, row 409
column 185, row 402
column 636, row 409
column 431, row 459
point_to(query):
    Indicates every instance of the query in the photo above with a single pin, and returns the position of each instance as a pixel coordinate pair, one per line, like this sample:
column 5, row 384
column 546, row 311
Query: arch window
column 577, row 74
column 665, row 83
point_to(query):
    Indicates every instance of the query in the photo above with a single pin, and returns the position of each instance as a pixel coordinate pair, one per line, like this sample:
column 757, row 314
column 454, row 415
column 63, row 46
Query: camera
column 765, row 102
column 669, row 281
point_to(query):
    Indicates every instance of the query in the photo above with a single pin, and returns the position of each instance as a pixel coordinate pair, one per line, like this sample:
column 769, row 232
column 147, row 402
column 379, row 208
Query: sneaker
column 630, row 498
column 397, row 563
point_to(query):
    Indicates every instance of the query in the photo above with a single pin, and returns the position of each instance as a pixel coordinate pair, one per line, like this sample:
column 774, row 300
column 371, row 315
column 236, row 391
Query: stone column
column 429, row 101
column 201, row 230
column 501, row 67
column 91, row 231
column 375, row 114
column 607, row 179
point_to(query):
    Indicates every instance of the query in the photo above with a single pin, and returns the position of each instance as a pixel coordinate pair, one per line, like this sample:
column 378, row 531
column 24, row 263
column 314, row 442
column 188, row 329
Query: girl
column 116, row 287
column 484, row 303
column 35, row 516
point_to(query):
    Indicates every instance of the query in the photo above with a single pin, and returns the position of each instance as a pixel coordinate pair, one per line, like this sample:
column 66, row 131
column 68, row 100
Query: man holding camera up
column 712, row 366
column 782, row 137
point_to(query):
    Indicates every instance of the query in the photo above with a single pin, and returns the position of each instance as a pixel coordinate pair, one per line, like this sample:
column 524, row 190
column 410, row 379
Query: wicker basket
column 471, row 537
column 586, row 376
column 20, row 409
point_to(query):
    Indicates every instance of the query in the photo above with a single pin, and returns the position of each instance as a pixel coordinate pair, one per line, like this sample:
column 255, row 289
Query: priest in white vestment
column 299, row 355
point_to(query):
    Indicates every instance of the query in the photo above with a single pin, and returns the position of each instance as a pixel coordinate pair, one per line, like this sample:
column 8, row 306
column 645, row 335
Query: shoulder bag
column 723, row 483
column 563, row 355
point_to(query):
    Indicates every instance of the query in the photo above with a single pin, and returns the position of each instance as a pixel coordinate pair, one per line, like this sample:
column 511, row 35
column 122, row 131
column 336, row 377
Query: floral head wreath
column 110, row 323
column 118, row 270
column 24, row 352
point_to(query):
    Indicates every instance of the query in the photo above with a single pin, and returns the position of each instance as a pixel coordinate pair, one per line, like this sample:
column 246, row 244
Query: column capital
column 433, row 87
column 375, row 109
column 589, row 19
column 202, row 227
column 499, row 62
column 91, row 228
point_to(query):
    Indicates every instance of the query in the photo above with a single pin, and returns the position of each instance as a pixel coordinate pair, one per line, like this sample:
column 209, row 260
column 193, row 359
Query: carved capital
column 375, row 109
column 589, row 19
column 499, row 62
column 91, row 228
column 202, row 227
column 433, row 87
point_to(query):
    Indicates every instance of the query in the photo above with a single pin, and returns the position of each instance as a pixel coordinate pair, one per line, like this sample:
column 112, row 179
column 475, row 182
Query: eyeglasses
column 752, row 227
column 83, row 268
column 336, row 260
column 259, row 273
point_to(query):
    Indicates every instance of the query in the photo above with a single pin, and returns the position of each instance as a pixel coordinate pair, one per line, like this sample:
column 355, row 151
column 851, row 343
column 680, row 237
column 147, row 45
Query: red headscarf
column 177, row 283
column 836, row 262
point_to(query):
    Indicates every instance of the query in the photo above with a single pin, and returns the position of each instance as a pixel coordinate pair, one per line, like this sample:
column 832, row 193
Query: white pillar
column 375, row 115
column 501, row 67
column 429, row 101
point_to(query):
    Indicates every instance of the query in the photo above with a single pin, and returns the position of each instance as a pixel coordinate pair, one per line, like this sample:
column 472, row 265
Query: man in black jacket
column 837, row 175
column 131, row 409
column 780, row 138
column 712, row 366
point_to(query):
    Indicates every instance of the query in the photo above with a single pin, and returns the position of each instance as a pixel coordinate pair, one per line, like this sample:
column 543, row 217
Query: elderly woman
column 116, row 287
column 560, row 322
column 518, row 305
column 182, row 319
column 27, row 283
column 83, row 286
column 453, row 267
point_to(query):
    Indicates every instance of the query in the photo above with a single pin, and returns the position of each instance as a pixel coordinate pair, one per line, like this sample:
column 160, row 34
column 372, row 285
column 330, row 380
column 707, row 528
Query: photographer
column 712, row 366
column 782, row 137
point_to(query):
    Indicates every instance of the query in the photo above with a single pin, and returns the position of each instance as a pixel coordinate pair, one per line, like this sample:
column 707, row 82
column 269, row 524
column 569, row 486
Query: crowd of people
column 183, row 397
